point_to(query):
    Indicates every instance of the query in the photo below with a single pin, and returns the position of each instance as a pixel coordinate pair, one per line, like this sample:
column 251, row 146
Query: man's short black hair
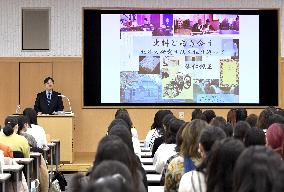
column 47, row 79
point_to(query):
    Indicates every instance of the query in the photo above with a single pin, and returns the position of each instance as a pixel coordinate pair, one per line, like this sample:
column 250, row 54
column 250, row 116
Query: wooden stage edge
column 82, row 163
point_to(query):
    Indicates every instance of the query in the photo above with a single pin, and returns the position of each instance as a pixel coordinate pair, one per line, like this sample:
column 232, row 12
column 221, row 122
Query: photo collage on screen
column 179, row 58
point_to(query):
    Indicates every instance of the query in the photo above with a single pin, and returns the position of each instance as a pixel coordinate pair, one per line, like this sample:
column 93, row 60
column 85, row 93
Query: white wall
column 66, row 20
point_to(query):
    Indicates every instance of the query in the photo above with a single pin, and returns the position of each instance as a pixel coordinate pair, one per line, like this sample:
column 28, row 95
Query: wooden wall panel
column 32, row 75
column 9, row 88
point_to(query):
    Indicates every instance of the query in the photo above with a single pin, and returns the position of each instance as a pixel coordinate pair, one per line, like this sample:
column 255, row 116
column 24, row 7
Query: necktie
column 48, row 98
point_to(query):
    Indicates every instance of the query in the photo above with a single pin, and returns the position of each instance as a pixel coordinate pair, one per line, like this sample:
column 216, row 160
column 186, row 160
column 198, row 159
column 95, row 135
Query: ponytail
column 8, row 130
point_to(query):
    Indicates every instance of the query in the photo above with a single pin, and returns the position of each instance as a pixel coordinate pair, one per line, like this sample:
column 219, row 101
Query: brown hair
column 190, row 138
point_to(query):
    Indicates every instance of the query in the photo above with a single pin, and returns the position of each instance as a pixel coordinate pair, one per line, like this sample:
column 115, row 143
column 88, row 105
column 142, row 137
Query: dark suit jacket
column 41, row 104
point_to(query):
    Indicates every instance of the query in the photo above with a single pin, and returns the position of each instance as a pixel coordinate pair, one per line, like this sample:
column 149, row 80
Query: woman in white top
column 157, row 128
column 35, row 130
column 167, row 149
column 194, row 181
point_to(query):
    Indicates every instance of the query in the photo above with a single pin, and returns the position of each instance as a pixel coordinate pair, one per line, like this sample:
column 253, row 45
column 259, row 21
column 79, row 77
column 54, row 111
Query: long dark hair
column 10, row 123
column 221, row 164
column 112, row 147
column 31, row 114
column 256, row 170
column 158, row 120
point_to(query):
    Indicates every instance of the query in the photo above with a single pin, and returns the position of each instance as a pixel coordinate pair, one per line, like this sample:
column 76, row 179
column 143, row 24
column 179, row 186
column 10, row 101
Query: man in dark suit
column 48, row 101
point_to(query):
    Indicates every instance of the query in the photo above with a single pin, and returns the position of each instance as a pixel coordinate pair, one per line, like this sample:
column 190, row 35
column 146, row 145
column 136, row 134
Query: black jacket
column 41, row 104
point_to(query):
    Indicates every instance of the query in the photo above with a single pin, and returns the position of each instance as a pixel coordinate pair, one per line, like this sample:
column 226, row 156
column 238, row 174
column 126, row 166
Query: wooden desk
column 14, row 169
column 154, row 178
column 27, row 162
column 3, row 178
column 147, row 161
column 149, row 168
column 60, row 127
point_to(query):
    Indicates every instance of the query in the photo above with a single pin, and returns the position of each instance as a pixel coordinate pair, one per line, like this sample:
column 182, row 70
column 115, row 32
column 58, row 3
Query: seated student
column 197, row 27
column 122, row 132
column 22, row 129
column 189, row 157
column 197, row 178
column 254, row 136
column 157, row 129
column 10, row 137
column 112, row 147
column 161, row 139
column 34, row 129
column 221, row 122
column 263, row 118
column 224, row 155
column 241, row 130
column 124, row 115
column 167, row 149
column 252, row 120
column 275, row 138
column 209, row 114
column 178, row 146
column 109, row 175
column 257, row 170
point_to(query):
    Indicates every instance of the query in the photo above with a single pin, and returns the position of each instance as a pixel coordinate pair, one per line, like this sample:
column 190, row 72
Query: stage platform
column 82, row 163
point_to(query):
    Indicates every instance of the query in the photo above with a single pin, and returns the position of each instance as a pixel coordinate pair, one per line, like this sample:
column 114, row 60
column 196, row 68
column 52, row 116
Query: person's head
column 179, row 137
column 123, row 133
column 190, row 138
column 112, row 147
column 241, row 114
column 275, row 137
column 195, row 113
column 254, row 136
column 117, row 122
column 256, row 170
column 31, row 115
column 232, row 117
column 207, row 21
column 241, row 130
column 209, row 114
column 48, row 82
column 11, row 125
column 275, row 118
column 23, row 123
column 167, row 120
column 199, row 21
column 252, row 120
column 224, row 155
column 263, row 119
column 218, row 121
column 171, row 131
column 125, row 116
column 109, row 174
column 208, row 137
column 158, row 120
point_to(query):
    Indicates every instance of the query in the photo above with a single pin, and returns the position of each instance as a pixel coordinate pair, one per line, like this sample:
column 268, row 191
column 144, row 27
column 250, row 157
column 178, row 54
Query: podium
column 60, row 127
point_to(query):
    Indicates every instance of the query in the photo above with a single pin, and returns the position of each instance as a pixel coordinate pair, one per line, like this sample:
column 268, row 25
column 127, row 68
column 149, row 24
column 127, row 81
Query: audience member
column 224, row 155
column 197, row 178
column 167, row 149
column 241, row 130
column 110, row 148
column 257, row 170
column 252, row 120
column 34, row 129
column 209, row 114
column 263, row 119
column 157, row 129
column 23, row 127
column 9, row 137
column 160, row 140
column 195, row 113
column 275, row 138
column 189, row 157
column 254, row 136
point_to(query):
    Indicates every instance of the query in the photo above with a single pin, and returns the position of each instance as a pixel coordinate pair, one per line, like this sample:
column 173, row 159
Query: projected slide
column 179, row 58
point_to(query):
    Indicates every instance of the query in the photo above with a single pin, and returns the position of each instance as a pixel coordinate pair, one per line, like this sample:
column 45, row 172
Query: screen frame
column 93, row 80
